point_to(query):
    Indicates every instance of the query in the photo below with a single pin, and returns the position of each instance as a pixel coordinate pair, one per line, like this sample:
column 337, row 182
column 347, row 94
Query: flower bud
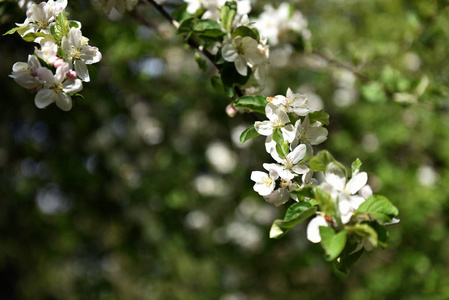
column 72, row 75
column 58, row 62
column 231, row 111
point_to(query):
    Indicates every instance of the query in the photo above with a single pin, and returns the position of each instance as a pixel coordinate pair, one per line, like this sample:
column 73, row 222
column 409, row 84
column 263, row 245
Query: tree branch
column 343, row 66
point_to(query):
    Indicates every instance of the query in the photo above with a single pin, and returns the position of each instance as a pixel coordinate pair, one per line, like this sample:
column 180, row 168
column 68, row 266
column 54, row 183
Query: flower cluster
column 58, row 67
column 347, row 217
column 277, row 24
column 289, row 143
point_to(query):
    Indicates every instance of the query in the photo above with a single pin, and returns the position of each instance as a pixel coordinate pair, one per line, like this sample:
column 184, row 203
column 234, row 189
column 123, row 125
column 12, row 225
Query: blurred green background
column 142, row 191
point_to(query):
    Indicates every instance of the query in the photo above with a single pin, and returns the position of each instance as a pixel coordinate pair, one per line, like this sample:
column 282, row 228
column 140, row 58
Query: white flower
column 295, row 103
column 290, row 166
column 48, row 51
column 235, row 50
column 264, row 183
column 278, row 197
column 277, row 119
column 309, row 134
column 56, row 88
column 25, row 73
column 344, row 192
column 76, row 47
column 313, row 229
column 275, row 24
column 41, row 16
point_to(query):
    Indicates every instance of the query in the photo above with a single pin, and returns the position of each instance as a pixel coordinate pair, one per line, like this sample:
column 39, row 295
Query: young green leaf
column 378, row 207
column 325, row 201
column 248, row 133
column 320, row 116
column 355, row 167
column 206, row 27
column 306, row 192
column 30, row 37
column 245, row 31
column 332, row 243
column 282, row 147
column 227, row 15
column 296, row 214
column 348, row 258
column 255, row 103
column 61, row 28
column 365, row 231
column 320, row 161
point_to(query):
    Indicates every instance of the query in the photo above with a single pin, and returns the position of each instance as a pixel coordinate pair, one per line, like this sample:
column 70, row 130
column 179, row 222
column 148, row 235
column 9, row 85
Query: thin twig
column 343, row 66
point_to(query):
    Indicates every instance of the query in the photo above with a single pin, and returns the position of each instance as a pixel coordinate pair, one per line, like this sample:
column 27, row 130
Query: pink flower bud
column 231, row 111
column 72, row 74
column 58, row 62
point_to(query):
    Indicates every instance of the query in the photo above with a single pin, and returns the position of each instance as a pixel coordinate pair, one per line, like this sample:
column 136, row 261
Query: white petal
column 81, row 70
column 335, row 176
column 288, row 132
column 258, row 176
column 278, row 197
column 313, row 229
column 297, row 154
column 317, row 135
column 300, row 169
column 229, row 52
column 46, row 76
column 64, row 101
column 72, row 86
column 241, row 66
column 264, row 127
column 44, row 98
column 356, row 183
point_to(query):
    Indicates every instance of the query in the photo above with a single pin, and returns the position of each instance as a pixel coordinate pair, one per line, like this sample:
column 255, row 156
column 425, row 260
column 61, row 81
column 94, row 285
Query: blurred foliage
column 127, row 196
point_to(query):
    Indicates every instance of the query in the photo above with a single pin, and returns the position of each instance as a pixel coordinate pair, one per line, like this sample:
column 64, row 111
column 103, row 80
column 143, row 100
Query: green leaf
column 348, row 258
column 30, row 37
column 61, row 28
column 282, row 147
column 181, row 13
column 254, row 103
column 206, row 27
column 320, row 161
column 365, row 231
column 355, row 167
column 230, row 76
column 227, row 15
column 248, row 133
column 333, row 244
column 378, row 207
column 245, row 31
column 13, row 30
column 325, row 201
column 296, row 209
column 306, row 192
column 201, row 62
column 73, row 24
column 320, row 116
column 296, row 214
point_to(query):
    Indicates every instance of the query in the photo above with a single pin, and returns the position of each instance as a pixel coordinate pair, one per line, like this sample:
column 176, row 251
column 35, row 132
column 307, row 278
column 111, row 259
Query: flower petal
column 313, row 229
column 64, row 101
column 356, row 182
column 44, row 98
